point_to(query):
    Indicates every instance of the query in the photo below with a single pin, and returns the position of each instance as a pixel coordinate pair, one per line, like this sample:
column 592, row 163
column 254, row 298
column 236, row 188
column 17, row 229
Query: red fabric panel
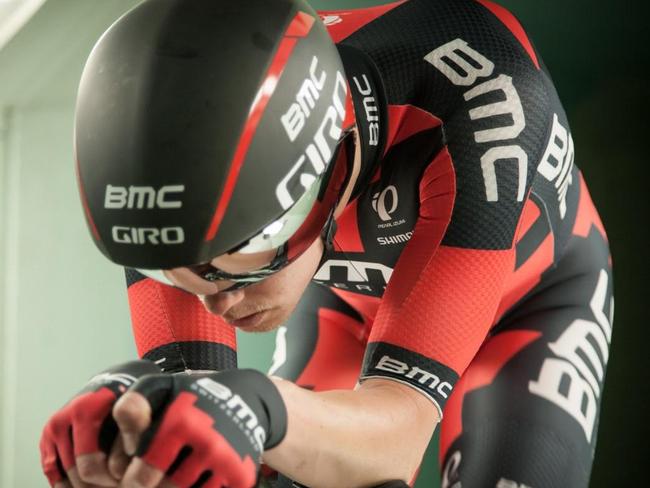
column 336, row 360
column 407, row 120
column 343, row 23
column 527, row 276
column 515, row 27
column 481, row 372
column 446, row 314
column 161, row 315
column 587, row 214
column 447, row 311
column 183, row 423
column 529, row 215
column 347, row 235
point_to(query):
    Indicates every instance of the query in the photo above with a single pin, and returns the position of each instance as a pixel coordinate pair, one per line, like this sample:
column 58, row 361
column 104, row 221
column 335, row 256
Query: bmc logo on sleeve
column 430, row 380
column 464, row 66
column 433, row 379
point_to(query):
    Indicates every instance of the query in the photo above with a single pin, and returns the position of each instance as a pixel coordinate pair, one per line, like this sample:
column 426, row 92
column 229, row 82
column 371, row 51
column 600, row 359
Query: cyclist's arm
column 173, row 328
column 375, row 433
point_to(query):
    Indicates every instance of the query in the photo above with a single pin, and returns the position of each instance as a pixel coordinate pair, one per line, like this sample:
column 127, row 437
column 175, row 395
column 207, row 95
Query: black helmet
column 205, row 127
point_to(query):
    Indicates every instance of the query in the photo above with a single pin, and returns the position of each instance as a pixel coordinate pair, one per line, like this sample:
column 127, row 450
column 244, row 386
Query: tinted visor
column 280, row 242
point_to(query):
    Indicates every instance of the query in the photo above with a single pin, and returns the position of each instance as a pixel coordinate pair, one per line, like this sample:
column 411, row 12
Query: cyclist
column 395, row 193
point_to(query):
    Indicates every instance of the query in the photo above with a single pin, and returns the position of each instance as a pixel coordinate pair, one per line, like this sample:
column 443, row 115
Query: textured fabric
column 166, row 316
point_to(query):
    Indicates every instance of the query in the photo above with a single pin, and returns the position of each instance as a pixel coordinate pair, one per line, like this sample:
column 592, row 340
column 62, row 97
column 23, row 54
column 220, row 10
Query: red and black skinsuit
column 470, row 264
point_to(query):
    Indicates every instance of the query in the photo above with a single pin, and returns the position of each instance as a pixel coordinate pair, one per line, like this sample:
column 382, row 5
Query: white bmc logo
column 318, row 151
column 148, row 235
column 391, row 365
column 463, row 66
column 238, row 409
column 581, row 356
column 385, row 203
column 557, row 162
column 140, row 197
column 371, row 108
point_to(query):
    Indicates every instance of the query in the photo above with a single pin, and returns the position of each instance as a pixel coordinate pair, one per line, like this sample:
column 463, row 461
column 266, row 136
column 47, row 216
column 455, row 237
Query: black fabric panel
column 195, row 355
column 133, row 277
column 432, row 378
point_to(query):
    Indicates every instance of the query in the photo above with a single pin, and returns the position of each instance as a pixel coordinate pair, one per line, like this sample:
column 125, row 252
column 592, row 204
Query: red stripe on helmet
column 299, row 27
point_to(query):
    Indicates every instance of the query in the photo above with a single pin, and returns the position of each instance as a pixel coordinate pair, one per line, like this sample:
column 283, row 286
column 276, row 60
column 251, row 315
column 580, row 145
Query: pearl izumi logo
column 385, row 202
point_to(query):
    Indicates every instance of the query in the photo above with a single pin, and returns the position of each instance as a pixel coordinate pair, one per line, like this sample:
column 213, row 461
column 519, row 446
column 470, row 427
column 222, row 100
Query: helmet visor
column 276, row 245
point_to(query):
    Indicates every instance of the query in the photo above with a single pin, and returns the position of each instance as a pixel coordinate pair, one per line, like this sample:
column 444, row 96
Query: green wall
column 63, row 312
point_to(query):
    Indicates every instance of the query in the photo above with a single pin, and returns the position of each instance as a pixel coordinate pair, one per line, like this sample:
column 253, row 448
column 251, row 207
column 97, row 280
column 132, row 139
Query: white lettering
column 561, row 379
column 357, row 271
column 579, row 393
column 371, row 108
column 461, row 72
column 141, row 197
column 510, row 106
column 453, row 60
column 238, row 408
column 557, row 162
column 318, row 152
column 390, row 365
column 148, row 235
column 295, row 118
column 507, row 153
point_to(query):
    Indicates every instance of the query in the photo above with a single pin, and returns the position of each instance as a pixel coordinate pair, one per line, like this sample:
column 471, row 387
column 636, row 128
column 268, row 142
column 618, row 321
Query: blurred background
column 63, row 308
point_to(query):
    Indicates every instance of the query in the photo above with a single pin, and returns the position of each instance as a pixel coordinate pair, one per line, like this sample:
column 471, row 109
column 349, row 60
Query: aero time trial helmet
column 206, row 127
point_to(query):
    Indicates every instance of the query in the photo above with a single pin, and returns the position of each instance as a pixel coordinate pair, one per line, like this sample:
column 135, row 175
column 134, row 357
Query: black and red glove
column 210, row 430
column 85, row 424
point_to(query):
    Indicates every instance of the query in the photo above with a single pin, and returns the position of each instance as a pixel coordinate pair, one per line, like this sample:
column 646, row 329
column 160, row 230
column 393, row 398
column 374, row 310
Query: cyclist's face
column 261, row 306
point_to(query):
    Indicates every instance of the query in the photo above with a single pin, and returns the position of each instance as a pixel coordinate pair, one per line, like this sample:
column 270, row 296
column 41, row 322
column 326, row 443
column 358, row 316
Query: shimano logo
column 432, row 381
column 148, row 235
column 141, row 197
column 396, row 239
column 238, row 410
column 385, row 202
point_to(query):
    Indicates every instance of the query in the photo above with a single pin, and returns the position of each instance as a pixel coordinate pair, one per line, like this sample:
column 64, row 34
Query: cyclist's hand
column 77, row 439
column 206, row 430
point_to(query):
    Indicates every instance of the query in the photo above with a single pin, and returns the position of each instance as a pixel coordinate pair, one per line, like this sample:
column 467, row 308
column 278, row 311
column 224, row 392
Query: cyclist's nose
column 220, row 303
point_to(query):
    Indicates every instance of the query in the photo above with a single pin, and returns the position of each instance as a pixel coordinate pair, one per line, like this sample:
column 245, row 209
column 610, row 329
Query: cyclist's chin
column 264, row 321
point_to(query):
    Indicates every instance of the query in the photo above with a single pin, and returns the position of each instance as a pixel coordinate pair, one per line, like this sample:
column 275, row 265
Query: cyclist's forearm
column 353, row 438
